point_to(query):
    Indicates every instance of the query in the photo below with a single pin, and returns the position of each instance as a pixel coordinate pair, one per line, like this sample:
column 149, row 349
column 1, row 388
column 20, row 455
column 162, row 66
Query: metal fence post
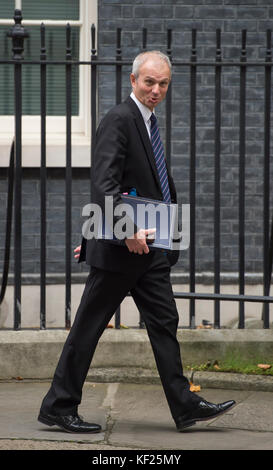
column 242, row 156
column 217, row 176
column 68, row 179
column 267, row 249
column 43, row 176
column 18, row 34
column 192, row 174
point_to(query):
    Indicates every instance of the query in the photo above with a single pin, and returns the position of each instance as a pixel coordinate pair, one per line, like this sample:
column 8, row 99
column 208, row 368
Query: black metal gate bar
column 118, row 67
column 242, row 150
column 217, row 176
column 18, row 196
column 266, row 299
column 144, row 39
column 93, row 94
column 141, row 323
column 43, row 183
column 168, row 120
column 180, row 63
column 118, row 101
column 270, row 254
column 266, row 200
column 68, row 181
column 192, row 175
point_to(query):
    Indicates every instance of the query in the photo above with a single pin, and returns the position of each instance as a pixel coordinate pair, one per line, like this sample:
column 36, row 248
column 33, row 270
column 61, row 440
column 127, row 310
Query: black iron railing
column 18, row 34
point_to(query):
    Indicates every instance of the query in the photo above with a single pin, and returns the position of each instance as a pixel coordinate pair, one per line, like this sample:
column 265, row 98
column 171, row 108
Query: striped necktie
column 160, row 159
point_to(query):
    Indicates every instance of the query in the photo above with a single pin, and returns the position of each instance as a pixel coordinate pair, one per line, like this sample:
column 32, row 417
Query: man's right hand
column 77, row 251
column 138, row 242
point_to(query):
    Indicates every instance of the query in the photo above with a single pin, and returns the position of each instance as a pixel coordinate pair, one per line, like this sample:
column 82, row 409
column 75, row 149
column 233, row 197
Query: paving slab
column 134, row 416
column 141, row 416
column 33, row 445
column 19, row 408
column 250, row 414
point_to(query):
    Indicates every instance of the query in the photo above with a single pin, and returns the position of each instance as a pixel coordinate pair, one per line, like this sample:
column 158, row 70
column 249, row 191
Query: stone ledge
column 34, row 354
column 223, row 380
column 138, row 375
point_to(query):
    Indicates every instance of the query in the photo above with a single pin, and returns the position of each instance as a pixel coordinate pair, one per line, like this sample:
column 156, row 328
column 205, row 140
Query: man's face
column 151, row 86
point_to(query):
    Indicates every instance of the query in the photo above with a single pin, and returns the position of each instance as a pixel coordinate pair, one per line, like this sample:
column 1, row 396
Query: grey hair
column 143, row 56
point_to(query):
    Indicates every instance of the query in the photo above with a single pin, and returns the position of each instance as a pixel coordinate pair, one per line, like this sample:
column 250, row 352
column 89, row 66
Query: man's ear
column 133, row 80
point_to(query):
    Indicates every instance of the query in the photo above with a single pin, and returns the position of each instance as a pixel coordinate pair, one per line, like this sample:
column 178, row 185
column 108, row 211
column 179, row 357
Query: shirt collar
column 145, row 111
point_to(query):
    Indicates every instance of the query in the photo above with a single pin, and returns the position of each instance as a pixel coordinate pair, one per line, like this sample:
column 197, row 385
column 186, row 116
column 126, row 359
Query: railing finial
column 18, row 34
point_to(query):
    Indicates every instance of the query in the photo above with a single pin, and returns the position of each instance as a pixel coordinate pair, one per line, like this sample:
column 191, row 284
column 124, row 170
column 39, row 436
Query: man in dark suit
column 128, row 153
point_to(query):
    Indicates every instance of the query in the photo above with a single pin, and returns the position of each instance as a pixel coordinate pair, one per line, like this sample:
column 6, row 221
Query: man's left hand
column 138, row 243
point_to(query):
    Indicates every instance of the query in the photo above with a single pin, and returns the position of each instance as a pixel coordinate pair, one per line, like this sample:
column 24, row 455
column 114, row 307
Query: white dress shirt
column 145, row 111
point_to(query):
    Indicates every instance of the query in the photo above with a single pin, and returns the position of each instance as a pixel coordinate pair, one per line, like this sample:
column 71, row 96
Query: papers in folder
column 146, row 214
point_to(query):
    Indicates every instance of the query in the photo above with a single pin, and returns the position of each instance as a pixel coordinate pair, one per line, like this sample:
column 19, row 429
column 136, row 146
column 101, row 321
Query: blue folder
column 146, row 214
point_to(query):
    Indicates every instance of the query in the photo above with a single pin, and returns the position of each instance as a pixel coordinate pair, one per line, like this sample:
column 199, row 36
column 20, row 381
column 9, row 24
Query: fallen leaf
column 264, row 366
column 194, row 388
column 121, row 326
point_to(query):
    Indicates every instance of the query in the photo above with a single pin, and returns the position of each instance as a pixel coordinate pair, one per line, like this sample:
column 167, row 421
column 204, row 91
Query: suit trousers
column 152, row 292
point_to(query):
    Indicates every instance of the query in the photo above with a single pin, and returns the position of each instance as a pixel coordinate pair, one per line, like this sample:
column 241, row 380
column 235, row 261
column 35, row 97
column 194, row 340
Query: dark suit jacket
column 122, row 159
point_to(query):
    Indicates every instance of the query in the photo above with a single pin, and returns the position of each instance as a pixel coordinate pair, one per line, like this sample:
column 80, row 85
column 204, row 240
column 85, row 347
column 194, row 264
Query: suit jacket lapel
column 144, row 137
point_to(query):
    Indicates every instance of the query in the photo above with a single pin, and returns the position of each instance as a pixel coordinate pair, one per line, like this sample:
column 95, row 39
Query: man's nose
column 155, row 89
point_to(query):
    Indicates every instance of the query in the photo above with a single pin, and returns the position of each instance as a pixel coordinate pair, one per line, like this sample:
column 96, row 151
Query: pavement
column 136, row 416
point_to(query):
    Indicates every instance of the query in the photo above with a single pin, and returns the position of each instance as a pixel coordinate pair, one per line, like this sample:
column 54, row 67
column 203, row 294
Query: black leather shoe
column 202, row 412
column 69, row 423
